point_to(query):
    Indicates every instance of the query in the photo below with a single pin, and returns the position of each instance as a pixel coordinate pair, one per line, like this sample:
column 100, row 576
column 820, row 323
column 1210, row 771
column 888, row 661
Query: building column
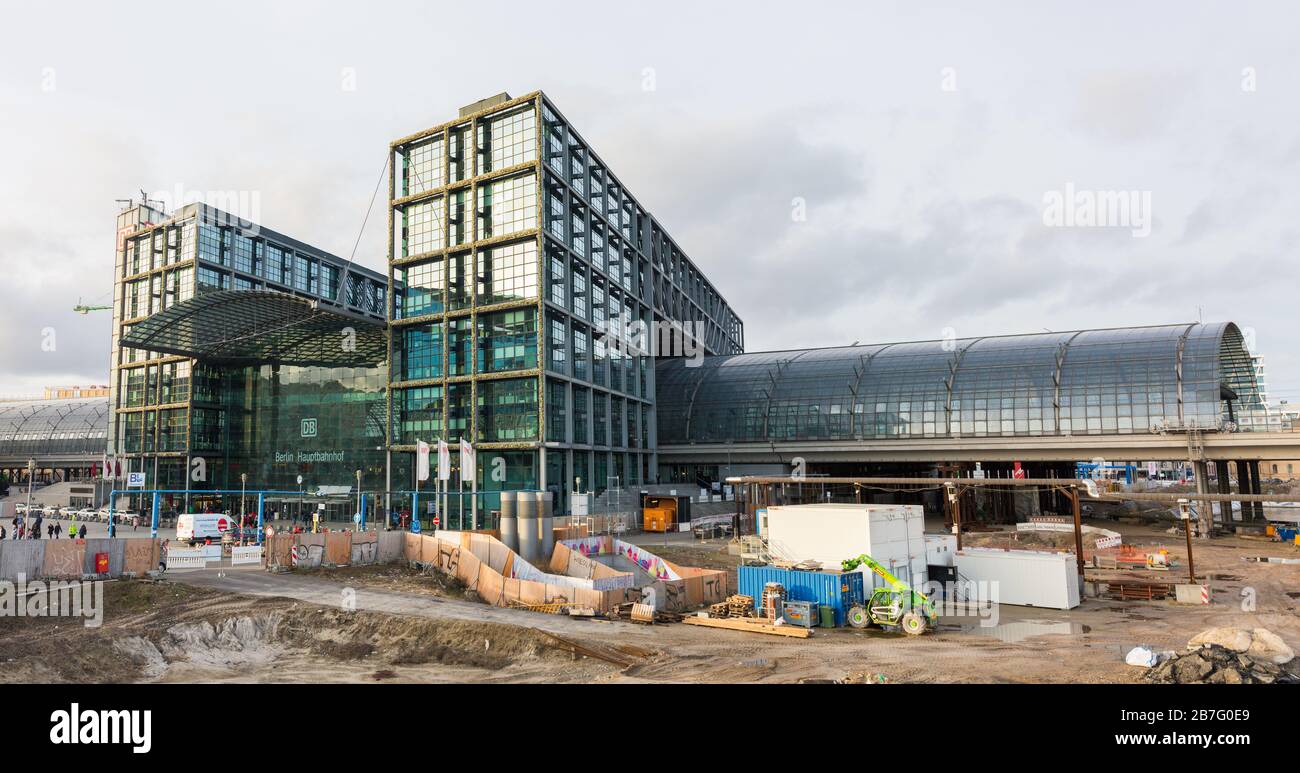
column 1205, row 516
column 1256, row 487
column 1225, row 487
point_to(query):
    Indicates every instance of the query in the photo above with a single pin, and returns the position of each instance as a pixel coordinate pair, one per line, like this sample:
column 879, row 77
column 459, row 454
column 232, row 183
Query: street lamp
column 31, row 471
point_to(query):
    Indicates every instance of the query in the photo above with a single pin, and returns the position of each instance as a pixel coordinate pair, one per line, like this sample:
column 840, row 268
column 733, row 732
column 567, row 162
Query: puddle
column 1020, row 630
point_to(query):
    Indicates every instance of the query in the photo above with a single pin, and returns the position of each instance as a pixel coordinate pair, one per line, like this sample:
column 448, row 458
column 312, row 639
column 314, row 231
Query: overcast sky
column 841, row 171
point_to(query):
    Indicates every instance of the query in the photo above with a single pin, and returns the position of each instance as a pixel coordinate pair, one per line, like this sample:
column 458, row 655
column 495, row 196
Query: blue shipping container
column 837, row 590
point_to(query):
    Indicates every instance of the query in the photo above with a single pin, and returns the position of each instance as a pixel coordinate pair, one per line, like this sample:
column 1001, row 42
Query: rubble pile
column 1229, row 656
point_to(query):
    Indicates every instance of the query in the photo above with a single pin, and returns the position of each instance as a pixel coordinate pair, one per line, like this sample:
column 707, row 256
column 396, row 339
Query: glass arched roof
column 1114, row 381
column 42, row 428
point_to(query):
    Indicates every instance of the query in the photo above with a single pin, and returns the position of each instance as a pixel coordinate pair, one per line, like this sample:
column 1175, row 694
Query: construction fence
column 68, row 559
column 502, row 578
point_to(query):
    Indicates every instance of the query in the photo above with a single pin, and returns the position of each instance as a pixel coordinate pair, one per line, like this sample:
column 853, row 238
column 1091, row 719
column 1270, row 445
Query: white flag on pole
column 468, row 468
column 421, row 460
column 444, row 461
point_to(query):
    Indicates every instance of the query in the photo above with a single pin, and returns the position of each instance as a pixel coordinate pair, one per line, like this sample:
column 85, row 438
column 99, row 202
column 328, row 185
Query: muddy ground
column 254, row 626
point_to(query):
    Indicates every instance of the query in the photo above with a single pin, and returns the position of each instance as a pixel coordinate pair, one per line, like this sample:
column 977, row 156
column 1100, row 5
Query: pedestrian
column 135, row 523
column 72, row 530
column 162, row 555
column 2, row 533
column 58, row 530
column 36, row 530
column 49, row 530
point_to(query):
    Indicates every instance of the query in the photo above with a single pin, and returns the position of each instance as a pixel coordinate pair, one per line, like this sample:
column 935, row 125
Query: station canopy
column 258, row 326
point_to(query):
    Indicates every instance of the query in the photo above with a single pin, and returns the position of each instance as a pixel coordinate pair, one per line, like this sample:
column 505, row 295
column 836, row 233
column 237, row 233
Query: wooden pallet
column 643, row 613
column 750, row 625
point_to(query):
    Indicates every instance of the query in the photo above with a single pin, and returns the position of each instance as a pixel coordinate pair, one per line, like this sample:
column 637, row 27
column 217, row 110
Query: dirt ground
column 396, row 577
column 254, row 626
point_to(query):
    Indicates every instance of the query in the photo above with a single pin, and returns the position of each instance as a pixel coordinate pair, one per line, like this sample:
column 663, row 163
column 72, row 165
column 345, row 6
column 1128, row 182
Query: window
column 507, row 340
column 424, row 288
column 600, row 419
column 422, row 169
column 461, row 154
column 556, row 262
column 579, row 273
column 304, row 273
column 508, row 140
column 507, row 410
column 578, row 230
column 458, row 410
column 243, row 253
column 580, row 413
column 210, row 244
column 580, row 364
column 459, row 219
column 557, row 359
column 507, row 206
column 208, row 279
column 459, row 334
column 458, row 281
column 507, row 273
column 421, row 351
column 422, row 228
column 557, row 414
column 419, row 414
column 273, row 265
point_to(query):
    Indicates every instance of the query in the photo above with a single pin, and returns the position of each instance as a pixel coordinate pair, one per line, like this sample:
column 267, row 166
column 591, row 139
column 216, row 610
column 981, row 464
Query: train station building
column 516, row 258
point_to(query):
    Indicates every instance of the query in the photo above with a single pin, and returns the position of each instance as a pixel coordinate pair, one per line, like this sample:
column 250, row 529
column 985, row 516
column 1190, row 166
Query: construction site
column 794, row 581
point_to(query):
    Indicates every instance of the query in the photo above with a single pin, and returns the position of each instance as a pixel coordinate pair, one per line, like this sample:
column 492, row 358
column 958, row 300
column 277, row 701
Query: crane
column 893, row 604
column 84, row 309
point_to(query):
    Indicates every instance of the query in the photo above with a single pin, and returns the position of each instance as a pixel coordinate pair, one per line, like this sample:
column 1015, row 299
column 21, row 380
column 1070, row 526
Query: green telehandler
column 894, row 604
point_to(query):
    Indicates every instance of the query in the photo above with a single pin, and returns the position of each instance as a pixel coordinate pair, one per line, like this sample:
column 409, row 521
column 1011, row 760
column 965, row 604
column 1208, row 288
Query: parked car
column 20, row 508
column 67, row 512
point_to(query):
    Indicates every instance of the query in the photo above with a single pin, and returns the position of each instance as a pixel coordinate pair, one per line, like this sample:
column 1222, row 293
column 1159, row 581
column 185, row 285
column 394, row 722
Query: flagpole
column 460, row 497
column 473, row 482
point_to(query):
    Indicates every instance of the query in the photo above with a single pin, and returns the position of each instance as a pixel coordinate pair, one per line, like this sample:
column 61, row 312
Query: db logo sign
column 309, row 428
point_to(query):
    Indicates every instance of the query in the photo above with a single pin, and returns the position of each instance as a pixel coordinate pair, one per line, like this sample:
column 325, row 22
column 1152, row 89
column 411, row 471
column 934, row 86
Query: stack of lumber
column 750, row 625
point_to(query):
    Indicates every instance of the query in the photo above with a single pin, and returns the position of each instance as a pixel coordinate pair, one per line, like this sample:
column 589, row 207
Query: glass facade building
column 517, row 257
column 231, row 354
column 1122, row 381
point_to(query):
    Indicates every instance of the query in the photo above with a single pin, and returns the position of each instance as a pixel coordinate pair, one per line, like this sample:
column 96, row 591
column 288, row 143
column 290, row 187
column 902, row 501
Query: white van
column 196, row 527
